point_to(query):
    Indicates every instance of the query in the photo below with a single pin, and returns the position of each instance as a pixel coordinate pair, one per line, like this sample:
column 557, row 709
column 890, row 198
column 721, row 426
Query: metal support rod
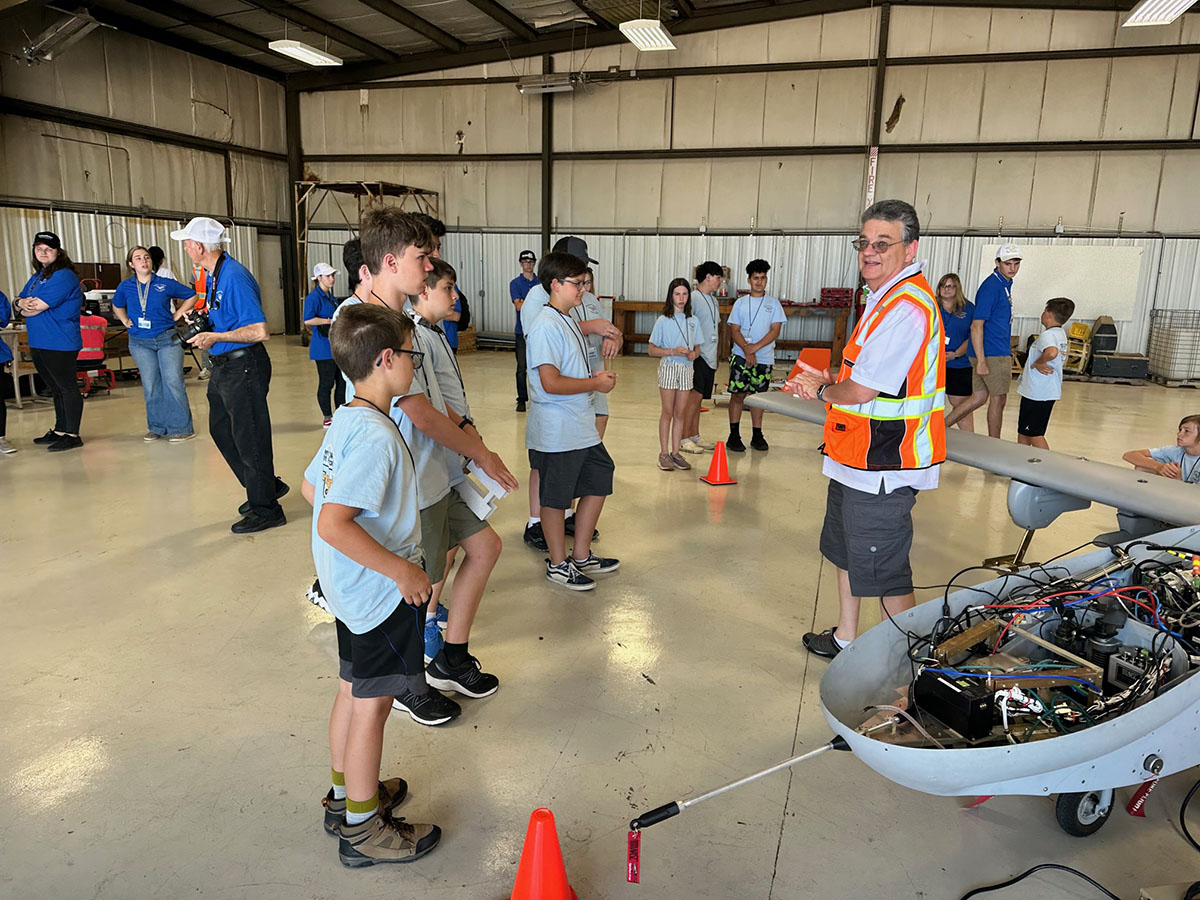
column 228, row 161
column 675, row 807
column 885, row 19
column 547, row 155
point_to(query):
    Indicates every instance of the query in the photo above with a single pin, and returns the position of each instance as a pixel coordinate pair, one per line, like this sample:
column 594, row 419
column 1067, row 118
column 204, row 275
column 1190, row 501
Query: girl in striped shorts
column 675, row 340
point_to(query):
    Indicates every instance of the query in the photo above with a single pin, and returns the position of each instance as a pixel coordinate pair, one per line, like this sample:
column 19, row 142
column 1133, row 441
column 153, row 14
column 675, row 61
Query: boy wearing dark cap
column 517, row 289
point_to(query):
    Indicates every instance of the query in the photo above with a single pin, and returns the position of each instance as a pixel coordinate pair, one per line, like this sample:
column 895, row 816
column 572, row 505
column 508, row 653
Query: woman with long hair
column 143, row 304
column 675, row 340
column 957, row 312
column 50, row 302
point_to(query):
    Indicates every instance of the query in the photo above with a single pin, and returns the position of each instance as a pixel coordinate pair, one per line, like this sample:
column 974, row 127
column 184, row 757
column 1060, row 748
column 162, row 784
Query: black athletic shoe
column 66, row 442
column 252, row 524
column 281, row 490
column 48, row 438
column 569, row 528
column 535, row 538
column 734, row 444
column 594, row 563
column 758, row 442
column 469, row 680
column 823, row 644
column 430, row 708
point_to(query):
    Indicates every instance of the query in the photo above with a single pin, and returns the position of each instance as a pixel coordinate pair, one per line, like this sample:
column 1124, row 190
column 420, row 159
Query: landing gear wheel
column 1083, row 814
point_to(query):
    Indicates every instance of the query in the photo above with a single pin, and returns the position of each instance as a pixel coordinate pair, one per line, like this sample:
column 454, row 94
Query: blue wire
column 1020, row 675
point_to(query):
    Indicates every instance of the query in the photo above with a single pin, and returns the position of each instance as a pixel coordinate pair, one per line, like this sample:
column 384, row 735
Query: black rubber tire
column 1071, row 812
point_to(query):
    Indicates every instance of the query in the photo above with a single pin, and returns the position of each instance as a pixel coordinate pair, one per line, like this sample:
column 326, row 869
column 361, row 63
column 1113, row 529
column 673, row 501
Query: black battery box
column 960, row 703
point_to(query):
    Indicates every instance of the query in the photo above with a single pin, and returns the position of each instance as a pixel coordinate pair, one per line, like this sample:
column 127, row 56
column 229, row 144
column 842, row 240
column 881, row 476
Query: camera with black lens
column 191, row 325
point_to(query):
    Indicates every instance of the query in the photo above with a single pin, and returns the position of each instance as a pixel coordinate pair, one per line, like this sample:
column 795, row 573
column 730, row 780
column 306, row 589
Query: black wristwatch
column 466, row 420
column 821, row 392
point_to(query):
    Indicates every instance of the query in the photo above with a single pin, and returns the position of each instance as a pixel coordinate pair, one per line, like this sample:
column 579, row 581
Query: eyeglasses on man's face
column 418, row 357
column 878, row 246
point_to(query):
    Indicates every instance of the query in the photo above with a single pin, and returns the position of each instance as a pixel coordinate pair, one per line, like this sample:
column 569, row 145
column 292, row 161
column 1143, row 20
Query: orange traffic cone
column 718, row 472
column 541, row 874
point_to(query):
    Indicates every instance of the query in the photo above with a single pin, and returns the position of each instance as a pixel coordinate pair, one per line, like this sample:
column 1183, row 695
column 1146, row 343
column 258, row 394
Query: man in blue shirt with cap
column 517, row 289
column 238, row 418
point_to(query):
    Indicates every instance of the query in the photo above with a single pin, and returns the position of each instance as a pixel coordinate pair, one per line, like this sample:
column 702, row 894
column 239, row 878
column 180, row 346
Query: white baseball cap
column 202, row 229
column 323, row 268
column 1009, row 251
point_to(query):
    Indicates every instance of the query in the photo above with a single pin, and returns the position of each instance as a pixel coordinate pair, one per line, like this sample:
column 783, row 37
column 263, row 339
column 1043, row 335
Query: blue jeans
column 160, row 361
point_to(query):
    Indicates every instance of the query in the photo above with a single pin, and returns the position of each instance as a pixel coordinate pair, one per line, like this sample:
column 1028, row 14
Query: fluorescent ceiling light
column 649, row 34
column 559, row 83
column 1157, row 12
column 306, row 54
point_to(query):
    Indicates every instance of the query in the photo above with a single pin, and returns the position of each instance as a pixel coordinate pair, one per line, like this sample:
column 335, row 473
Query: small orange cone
column 541, row 874
column 718, row 472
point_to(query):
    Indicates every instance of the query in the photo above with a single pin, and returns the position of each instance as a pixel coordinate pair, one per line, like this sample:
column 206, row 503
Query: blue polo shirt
column 155, row 318
column 5, row 318
column 517, row 289
column 993, row 305
column 958, row 329
column 318, row 305
column 233, row 301
column 56, row 328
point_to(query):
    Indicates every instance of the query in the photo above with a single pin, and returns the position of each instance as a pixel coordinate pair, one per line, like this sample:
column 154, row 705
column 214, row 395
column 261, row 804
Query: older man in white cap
column 238, row 418
column 991, row 342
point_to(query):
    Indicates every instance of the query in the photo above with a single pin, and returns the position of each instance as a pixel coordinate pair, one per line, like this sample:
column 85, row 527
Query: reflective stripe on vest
column 905, row 430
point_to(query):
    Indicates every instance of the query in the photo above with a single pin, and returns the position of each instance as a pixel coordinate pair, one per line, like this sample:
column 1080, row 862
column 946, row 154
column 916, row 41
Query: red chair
column 91, row 373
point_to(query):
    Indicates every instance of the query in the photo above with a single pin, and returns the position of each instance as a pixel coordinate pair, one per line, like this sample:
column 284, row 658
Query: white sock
column 840, row 642
column 695, row 438
column 569, row 514
column 533, row 520
column 339, row 792
column 353, row 818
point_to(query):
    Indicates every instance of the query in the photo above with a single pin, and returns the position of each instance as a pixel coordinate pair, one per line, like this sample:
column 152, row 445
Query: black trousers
column 329, row 378
column 240, row 424
column 57, row 368
column 3, row 405
column 522, row 374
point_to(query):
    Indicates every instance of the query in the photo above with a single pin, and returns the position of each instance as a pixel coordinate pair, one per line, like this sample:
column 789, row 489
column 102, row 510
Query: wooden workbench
column 625, row 310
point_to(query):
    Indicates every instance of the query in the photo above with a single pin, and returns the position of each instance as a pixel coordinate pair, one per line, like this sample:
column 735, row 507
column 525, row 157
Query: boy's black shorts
column 387, row 660
column 1034, row 417
column 703, row 376
column 572, row 473
column 959, row 381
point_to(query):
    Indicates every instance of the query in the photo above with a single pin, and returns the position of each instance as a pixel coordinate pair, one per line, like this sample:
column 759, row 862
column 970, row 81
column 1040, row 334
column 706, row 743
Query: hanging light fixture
column 1157, row 12
column 647, row 34
column 304, row 53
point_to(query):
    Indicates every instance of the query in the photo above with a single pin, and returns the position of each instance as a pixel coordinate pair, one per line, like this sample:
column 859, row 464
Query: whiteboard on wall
column 1103, row 281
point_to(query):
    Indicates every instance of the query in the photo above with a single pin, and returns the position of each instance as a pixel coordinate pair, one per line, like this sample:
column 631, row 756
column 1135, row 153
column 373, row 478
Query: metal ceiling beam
column 165, row 37
column 191, row 16
column 602, row 23
column 498, row 13
column 411, row 20
column 305, row 19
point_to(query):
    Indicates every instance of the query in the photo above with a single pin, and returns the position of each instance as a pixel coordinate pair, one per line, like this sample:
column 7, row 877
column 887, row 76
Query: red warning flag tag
column 1137, row 803
column 633, row 863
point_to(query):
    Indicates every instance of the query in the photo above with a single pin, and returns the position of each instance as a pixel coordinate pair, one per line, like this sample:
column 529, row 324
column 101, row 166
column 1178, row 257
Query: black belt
column 234, row 354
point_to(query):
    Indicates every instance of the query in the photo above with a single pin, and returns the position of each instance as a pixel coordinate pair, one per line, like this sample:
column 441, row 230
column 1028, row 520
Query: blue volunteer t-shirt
column 154, row 317
column 993, row 305
column 233, row 301
column 364, row 464
column 56, row 328
column 5, row 317
column 679, row 330
column 558, row 422
column 518, row 289
column 958, row 329
column 318, row 305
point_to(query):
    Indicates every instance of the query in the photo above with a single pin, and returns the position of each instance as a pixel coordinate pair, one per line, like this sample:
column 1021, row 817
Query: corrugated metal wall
column 639, row 267
column 89, row 237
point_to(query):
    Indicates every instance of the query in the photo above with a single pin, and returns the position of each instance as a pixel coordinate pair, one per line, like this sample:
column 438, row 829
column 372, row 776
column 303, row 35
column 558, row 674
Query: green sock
column 339, row 784
column 358, row 811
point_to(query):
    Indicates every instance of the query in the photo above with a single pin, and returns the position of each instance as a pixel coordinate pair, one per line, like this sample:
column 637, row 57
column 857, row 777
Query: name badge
column 947, row 341
column 143, row 322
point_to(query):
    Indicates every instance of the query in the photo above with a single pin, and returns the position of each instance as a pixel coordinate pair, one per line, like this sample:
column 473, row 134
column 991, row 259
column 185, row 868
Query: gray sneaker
column 679, row 462
column 5, row 446
column 382, row 839
column 151, row 436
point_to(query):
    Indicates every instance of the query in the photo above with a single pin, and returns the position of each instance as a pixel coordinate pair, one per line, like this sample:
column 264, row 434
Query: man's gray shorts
column 870, row 536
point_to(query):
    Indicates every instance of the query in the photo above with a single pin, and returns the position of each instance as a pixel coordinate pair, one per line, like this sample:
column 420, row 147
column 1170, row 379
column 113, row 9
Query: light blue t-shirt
column 535, row 301
column 755, row 316
column 364, row 464
column 1033, row 385
column 429, row 457
column 708, row 319
column 675, row 331
column 557, row 422
column 1189, row 466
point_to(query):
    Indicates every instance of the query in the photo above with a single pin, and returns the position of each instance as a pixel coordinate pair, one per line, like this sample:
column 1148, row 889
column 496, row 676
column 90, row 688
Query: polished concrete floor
column 166, row 686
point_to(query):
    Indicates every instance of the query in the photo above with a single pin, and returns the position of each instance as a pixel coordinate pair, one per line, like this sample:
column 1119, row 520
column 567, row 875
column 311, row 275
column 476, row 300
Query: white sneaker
column 5, row 446
column 705, row 445
column 690, row 446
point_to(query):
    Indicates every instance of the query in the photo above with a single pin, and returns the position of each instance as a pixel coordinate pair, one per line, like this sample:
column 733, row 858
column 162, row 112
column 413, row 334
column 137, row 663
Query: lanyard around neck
column 575, row 333
column 412, row 462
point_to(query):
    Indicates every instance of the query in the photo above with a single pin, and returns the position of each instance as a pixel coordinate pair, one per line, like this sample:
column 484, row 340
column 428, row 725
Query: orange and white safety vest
column 905, row 430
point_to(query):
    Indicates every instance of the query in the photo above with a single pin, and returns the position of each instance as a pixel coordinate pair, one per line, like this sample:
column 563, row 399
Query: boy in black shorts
column 367, row 548
column 1041, row 381
column 754, row 324
column 560, row 433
